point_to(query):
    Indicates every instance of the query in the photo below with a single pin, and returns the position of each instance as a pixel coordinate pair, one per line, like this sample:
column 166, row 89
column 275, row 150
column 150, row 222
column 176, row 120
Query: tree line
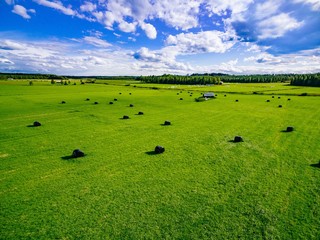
column 193, row 79
column 219, row 78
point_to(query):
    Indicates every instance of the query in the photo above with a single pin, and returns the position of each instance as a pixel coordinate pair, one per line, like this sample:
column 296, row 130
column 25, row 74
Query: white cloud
column 315, row 4
column 220, row 7
column 10, row 2
column 202, row 42
column 267, row 9
column 127, row 27
column 95, row 41
column 21, row 11
column 180, row 14
column 150, row 30
column 57, row 5
column 88, row 7
column 5, row 61
column 277, row 26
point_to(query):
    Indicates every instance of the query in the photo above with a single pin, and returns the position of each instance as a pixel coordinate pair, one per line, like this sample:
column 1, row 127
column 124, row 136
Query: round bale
column 125, row 117
column 96, row 103
column 140, row 113
column 280, row 106
column 115, row 99
column 159, row 149
column 290, row 129
column 36, row 124
column 238, row 139
column 77, row 153
column 289, row 99
column 237, row 100
column 181, row 98
column 63, row 102
column 110, row 102
column 268, row 100
column 131, row 105
column 88, row 99
column 167, row 123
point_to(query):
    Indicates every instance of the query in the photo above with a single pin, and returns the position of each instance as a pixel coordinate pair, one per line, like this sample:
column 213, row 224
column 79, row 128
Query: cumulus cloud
column 179, row 14
column 150, row 30
column 88, row 7
column 127, row 27
column 21, row 11
column 57, row 5
column 202, row 42
column 277, row 26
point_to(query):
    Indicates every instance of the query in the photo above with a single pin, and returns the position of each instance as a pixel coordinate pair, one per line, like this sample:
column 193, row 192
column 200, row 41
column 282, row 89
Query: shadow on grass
column 316, row 165
column 151, row 153
column 32, row 126
column 286, row 131
column 233, row 141
column 67, row 157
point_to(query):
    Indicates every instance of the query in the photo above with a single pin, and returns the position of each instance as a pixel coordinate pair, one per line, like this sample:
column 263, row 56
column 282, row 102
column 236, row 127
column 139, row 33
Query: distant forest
column 193, row 79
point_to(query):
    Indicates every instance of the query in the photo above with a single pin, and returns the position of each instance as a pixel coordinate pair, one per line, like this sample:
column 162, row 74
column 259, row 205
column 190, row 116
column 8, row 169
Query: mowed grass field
column 203, row 186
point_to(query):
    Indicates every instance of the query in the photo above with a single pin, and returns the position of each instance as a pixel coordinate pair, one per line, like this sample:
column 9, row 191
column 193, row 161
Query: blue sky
column 153, row 37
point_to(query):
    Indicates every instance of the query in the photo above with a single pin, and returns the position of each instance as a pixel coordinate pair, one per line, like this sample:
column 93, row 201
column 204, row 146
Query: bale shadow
column 316, row 165
column 67, row 157
column 70, row 157
column 31, row 126
column 151, row 153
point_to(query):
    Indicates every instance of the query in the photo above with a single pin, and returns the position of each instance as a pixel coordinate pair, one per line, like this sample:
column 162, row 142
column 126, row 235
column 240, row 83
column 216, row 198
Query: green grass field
column 203, row 186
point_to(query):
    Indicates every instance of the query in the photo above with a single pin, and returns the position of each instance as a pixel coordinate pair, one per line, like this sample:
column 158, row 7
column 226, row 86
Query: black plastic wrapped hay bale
column 115, row 99
column 129, row 93
column 237, row 100
column 36, row 124
column 167, row 123
column 131, row 105
column 279, row 97
column 125, row 117
column 289, row 99
column 140, row 113
column 238, row 139
column 120, row 93
column 159, row 149
column 96, row 103
column 77, row 153
column 110, row 102
column 272, row 96
column 268, row 100
column 280, row 106
column 290, row 129
column 63, row 102
column 88, row 99
column 225, row 95
column 181, row 98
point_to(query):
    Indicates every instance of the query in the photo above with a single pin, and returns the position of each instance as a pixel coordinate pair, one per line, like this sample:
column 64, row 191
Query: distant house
column 208, row 95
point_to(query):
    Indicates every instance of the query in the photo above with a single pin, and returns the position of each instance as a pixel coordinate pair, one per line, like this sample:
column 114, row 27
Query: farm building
column 208, row 95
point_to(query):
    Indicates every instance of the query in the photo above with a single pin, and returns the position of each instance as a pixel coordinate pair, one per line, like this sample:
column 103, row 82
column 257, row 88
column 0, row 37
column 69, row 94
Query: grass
column 202, row 187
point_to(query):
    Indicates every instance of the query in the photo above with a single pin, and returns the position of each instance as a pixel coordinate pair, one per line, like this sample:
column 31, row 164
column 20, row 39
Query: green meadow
column 204, row 186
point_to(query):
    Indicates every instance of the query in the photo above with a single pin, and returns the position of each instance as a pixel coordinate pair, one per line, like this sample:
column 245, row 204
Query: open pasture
column 204, row 186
